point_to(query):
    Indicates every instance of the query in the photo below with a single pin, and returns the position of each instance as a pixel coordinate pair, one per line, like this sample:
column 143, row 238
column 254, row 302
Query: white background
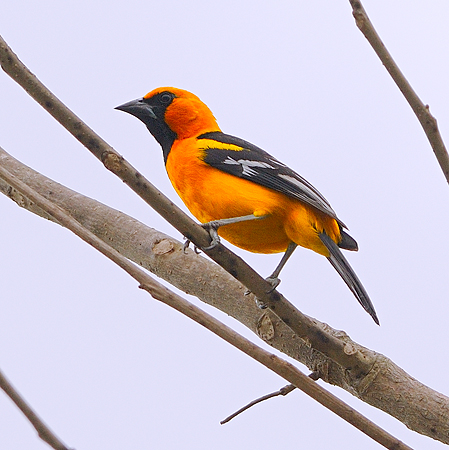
column 109, row 368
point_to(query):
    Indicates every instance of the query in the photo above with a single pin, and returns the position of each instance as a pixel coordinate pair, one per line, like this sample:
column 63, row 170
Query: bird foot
column 274, row 281
column 260, row 304
column 186, row 246
column 211, row 228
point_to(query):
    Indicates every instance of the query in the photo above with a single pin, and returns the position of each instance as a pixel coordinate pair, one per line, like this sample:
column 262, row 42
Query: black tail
column 342, row 266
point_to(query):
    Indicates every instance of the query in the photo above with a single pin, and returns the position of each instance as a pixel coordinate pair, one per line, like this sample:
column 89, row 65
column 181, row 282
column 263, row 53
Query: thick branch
column 387, row 387
column 366, row 374
column 160, row 292
column 428, row 122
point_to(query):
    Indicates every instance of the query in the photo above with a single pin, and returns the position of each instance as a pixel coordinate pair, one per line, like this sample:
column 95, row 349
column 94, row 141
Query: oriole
column 253, row 200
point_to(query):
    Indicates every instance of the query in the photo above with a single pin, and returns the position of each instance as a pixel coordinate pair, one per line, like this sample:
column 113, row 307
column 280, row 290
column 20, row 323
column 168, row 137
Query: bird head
column 170, row 113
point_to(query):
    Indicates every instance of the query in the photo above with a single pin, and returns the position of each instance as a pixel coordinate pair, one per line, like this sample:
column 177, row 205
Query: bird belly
column 258, row 236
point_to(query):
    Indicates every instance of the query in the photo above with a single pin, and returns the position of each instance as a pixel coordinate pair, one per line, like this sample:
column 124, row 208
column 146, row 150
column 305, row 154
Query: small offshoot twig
column 283, row 391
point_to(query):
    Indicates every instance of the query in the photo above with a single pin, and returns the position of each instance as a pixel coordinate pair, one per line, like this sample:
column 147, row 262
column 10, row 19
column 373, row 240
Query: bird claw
column 186, row 246
column 274, row 281
column 260, row 304
column 212, row 227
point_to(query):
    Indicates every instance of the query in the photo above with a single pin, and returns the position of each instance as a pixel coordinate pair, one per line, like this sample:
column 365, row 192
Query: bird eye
column 166, row 97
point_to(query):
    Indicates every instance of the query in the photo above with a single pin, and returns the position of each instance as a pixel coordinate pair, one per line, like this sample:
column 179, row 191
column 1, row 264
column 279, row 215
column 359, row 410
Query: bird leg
column 214, row 225
column 273, row 278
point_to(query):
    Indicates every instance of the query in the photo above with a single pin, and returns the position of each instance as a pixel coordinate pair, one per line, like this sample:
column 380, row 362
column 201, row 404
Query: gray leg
column 273, row 278
column 213, row 226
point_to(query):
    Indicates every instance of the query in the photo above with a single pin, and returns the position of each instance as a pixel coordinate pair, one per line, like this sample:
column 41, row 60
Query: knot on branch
column 163, row 247
column 112, row 161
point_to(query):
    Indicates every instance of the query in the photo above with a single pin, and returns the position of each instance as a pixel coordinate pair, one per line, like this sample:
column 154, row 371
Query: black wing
column 254, row 164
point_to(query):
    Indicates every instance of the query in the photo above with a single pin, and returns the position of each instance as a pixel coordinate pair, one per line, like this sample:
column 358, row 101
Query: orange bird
column 239, row 191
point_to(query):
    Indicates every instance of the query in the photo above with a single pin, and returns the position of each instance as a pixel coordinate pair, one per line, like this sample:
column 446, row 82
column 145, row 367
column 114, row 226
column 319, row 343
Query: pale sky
column 108, row 367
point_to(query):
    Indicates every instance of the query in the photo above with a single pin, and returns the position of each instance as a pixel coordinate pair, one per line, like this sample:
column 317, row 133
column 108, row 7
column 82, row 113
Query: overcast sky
column 109, row 368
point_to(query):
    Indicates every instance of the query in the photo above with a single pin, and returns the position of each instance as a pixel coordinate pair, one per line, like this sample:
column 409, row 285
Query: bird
column 239, row 191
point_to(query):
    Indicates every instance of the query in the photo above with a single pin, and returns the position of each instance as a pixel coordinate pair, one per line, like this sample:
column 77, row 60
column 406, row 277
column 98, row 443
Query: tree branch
column 163, row 294
column 283, row 391
column 357, row 365
column 388, row 387
column 366, row 374
column 428, row 122
column 42, row 429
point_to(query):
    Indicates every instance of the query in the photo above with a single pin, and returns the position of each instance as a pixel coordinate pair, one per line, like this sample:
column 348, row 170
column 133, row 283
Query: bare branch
column 163, row 294
column 428, row 122
column 42, row 429
column 388, row 387
column 357, row 365
column 366, row 374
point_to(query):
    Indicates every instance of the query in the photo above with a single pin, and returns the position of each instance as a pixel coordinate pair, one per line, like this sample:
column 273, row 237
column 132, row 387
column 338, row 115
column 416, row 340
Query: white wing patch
column 247, row 165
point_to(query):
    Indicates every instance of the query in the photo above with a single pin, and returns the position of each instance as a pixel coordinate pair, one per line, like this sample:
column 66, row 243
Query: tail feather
column 347, row 242
column 342, row 266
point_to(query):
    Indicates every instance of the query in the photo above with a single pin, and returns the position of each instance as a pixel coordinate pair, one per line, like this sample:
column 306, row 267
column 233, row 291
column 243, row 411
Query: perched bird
column 240, row 191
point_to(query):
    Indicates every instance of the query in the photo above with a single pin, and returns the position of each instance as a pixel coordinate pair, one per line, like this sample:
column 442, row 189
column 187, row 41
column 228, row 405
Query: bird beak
column 138, row 108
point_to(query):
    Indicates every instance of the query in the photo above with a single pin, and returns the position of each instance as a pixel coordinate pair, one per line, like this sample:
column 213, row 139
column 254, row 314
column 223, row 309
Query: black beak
column 138, row 108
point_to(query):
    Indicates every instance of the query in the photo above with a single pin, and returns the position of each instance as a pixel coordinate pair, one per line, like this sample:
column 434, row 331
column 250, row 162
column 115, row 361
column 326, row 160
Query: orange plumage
column 219, row 176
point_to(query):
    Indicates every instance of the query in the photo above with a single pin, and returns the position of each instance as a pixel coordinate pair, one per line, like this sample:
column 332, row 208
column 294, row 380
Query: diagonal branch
column 388, row 387
column 366, row 374
column 357, row 365
column 428, row 122
column 42, row 429
column 163, row 294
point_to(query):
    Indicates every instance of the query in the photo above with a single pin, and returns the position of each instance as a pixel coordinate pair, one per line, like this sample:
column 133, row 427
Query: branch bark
column 386, row 387
column 163, row 294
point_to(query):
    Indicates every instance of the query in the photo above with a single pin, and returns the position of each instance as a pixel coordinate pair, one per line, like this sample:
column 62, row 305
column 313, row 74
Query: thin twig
column 163, row 294
column 428, row 122
column 283, row 391
column 42, row 429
